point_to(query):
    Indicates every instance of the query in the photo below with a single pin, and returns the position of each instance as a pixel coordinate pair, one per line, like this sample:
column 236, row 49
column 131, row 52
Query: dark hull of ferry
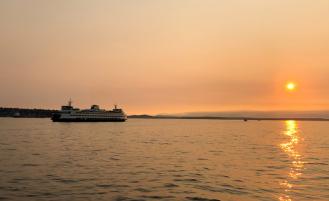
column 58, row 118
column 87, row 120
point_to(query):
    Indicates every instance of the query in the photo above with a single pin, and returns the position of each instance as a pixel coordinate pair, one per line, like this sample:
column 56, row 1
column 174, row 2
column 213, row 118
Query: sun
column 290, row 86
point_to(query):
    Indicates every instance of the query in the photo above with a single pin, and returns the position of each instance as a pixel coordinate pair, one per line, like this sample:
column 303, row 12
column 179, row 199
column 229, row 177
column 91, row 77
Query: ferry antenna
column 70, row 102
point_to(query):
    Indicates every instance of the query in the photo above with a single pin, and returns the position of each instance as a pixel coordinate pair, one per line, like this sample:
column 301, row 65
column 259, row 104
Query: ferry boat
column 70, row 114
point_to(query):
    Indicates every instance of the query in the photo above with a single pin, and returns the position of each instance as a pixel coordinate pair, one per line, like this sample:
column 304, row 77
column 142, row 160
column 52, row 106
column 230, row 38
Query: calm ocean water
column 164, row 160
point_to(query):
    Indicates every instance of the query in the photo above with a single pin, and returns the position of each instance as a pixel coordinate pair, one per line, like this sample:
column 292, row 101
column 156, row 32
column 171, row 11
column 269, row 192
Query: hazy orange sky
column 152, row 56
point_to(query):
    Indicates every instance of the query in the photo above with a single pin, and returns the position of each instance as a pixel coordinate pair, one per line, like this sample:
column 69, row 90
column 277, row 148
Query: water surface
column 164, row 160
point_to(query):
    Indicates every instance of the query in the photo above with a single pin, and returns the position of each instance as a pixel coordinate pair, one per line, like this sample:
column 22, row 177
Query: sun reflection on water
column 296, row 161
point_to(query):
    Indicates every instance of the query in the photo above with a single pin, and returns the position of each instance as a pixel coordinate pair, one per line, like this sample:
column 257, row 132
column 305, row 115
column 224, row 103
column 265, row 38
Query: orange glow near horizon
column 157, row 57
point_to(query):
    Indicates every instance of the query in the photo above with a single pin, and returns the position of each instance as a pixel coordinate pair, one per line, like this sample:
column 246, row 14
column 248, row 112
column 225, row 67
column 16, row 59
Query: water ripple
column 141, row 160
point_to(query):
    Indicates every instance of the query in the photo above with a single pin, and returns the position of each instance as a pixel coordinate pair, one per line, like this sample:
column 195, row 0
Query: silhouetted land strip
column 228, row 118
column 26, row 113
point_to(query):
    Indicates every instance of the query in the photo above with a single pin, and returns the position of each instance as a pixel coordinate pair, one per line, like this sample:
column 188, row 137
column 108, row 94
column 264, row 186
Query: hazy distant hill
column 259, row 114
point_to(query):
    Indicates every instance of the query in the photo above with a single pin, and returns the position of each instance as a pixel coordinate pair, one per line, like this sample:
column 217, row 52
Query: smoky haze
column 165, row 56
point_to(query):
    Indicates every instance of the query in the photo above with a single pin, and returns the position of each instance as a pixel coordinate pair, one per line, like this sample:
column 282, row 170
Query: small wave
column 66, row 181
column 14, row 189
column 322, row 178
column 316, row 163
column 187, row 180
column 224, row 189
column 143, row 190
column 30, row 165
column 225, row 176
column 158, row 197
column 47, row 194
column 105, row 185
column 276, row 167
column 121, row 198
column 97, row 150
column 111, row 185
column 201, row 199
column 32, row 195
column 170, row 185
column 10, row 149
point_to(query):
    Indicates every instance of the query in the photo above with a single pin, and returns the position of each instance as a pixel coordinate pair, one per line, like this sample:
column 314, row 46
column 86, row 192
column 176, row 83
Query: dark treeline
column 19, row 112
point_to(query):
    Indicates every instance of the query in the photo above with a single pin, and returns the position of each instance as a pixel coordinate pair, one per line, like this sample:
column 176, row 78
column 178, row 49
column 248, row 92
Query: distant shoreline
column 227, row 118
column 26, row 113
column 47, row 113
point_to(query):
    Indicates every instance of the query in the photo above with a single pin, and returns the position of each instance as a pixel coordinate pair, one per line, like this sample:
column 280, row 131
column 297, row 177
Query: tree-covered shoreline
column 24, row 112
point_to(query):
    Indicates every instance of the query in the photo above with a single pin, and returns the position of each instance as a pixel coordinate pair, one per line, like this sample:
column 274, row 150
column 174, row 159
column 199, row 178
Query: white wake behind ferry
column 70, row 114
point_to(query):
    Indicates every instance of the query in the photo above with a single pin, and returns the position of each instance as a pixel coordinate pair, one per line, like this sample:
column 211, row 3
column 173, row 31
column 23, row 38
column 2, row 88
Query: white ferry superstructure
column 70, row 114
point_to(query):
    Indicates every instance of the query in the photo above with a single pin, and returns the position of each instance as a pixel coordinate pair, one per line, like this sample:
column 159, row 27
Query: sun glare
column 290, row 86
